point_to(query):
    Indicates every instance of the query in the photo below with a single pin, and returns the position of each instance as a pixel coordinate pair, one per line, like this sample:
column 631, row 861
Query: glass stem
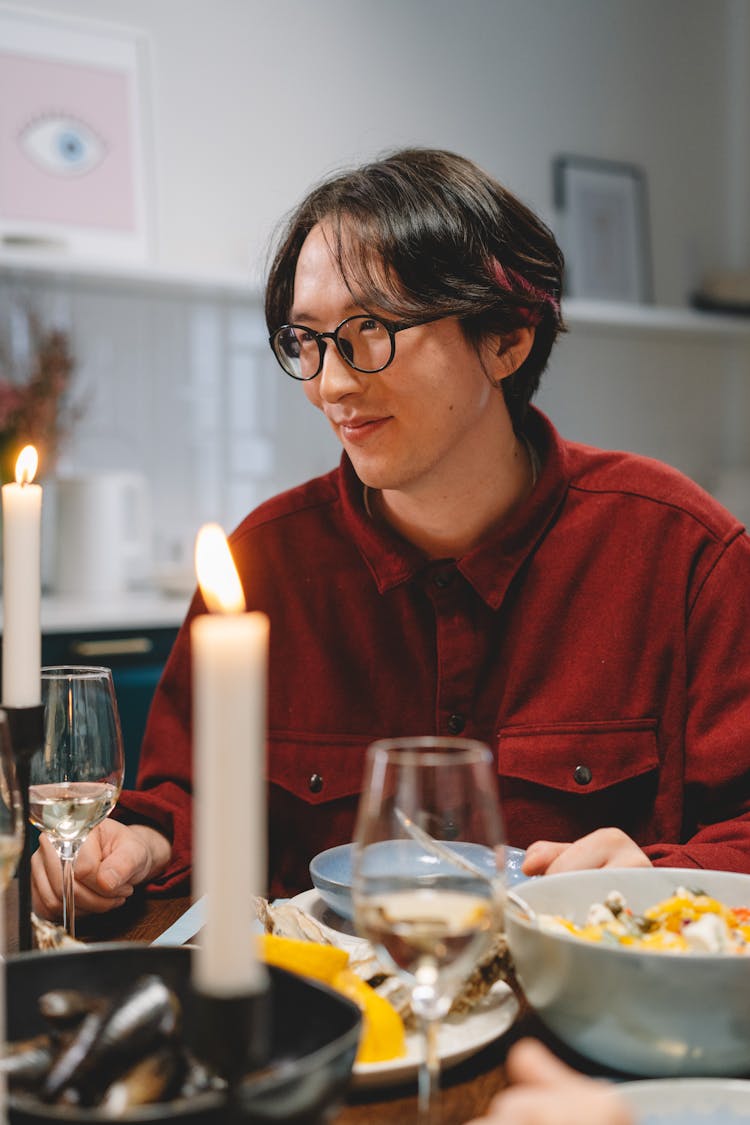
column 68, row 853
column 429, row 1074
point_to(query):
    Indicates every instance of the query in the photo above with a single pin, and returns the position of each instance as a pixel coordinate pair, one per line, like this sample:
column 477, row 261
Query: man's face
column 421, row 422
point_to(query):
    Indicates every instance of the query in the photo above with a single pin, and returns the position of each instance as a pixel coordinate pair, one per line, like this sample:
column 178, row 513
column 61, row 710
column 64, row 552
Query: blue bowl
column 331, row 870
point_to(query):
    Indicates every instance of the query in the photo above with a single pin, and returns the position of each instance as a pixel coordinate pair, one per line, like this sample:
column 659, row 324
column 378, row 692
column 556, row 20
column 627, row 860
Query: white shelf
column 57, row 268
column 653, row 318
column 578, row 313
column 132, row 610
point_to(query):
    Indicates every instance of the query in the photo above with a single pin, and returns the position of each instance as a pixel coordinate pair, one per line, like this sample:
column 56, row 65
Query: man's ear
column 504, row 354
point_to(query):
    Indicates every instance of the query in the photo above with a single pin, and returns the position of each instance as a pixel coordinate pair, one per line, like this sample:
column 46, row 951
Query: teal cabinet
column 136, row 657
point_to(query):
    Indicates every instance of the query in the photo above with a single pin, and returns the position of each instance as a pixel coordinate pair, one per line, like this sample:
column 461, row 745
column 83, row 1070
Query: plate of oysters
column 484, row 1009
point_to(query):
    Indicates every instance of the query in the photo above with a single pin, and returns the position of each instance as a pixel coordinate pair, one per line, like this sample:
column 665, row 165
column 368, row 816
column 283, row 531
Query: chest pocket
column 561, row 781
column 317, row 770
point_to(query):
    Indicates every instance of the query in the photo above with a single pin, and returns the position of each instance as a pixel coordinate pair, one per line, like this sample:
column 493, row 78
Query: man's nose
column 336, row 377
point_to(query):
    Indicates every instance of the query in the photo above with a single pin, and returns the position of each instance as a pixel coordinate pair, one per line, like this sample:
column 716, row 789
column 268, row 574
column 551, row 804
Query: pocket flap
column 581, row 757
column 317, row 769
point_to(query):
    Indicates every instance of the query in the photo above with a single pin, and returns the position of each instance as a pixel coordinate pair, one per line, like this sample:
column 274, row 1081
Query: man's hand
column 607, row 847
column 544, row 1091
column 114, row 858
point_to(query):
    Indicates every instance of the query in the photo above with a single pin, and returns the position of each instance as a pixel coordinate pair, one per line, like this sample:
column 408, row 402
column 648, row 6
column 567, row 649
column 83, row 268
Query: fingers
column 46, row 890
column 46, row 881
column 529, row 1061
column 540, row 855
column 547, row 1092
column 584, row 1103
column 606, row 847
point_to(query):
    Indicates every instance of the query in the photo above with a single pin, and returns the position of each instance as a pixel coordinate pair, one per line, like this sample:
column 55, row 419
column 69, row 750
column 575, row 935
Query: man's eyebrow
column 303, row 316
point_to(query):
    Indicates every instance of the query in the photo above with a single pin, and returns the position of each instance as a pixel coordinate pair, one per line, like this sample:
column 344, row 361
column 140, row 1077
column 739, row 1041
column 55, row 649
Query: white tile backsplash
column 180, row 387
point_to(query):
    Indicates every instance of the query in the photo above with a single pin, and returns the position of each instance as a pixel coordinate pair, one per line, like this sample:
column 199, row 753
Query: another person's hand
column 544, row 1091
column 606, row 847
column 113, row 860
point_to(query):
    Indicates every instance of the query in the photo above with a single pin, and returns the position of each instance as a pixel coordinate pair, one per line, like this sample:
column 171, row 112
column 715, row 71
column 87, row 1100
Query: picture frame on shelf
column 603, row 210
column 75, row 154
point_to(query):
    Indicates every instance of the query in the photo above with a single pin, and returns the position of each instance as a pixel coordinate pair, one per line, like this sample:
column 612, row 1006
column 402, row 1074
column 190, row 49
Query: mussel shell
column 26, row 1062
column 63, row 1007
column 154, row 1078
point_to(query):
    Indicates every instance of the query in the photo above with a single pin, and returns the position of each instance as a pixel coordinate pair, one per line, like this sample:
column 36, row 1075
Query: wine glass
column 76, row 775
column 11, row 846
column 429, row 873
column 11, row 808
column 11, row 815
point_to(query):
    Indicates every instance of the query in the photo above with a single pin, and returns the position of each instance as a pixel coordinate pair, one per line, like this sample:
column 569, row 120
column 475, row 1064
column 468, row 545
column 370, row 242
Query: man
column 464, row 570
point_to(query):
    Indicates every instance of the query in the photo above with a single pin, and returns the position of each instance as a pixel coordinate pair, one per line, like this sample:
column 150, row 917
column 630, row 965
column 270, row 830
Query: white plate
column 459, row 1037
column 688, row 1101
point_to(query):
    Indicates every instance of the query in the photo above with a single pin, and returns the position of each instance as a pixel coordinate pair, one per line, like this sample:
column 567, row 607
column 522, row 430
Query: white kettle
column 103, row 535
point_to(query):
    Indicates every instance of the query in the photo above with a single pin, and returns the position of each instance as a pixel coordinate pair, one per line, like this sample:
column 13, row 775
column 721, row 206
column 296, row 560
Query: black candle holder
column 232, row 1034
column 26, row 727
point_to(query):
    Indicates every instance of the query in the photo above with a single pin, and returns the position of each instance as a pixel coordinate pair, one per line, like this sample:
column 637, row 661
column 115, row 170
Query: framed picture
column 605, row 236
column 73, row 138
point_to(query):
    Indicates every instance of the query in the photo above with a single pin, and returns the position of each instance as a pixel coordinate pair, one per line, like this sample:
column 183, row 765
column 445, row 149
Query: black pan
column 314, row 1036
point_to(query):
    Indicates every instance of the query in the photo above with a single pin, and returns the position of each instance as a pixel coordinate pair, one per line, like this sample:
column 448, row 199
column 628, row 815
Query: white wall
column 253, row 100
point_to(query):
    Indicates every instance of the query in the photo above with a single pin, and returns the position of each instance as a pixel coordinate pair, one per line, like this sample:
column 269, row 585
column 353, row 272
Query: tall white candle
column 229, row 664
column 22, row 585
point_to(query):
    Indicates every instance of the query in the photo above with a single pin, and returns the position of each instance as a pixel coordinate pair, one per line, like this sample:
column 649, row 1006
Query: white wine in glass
column 429, row 873
column 76, row 776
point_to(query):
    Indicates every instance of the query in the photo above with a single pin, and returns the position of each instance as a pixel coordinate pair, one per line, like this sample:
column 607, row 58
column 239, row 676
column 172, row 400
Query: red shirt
column 599, row 642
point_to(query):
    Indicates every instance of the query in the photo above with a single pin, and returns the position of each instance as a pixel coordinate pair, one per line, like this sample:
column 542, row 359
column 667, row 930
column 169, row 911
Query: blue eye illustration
column 62, row 144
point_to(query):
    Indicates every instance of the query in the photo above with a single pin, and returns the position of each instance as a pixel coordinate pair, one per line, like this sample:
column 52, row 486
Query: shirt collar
column 490, row 566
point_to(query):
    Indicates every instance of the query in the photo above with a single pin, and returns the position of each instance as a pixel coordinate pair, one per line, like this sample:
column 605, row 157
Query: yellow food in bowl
column 686, row 922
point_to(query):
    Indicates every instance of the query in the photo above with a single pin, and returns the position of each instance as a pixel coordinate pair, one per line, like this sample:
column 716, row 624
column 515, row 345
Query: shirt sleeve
column 163, row 795
column 716, row 795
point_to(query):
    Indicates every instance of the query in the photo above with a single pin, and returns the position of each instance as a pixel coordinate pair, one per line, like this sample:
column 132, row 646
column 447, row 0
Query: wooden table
column 466, row 1089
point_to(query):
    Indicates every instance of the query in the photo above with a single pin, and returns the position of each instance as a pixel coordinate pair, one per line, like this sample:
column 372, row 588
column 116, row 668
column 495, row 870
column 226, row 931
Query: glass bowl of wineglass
column 77, row 774
column 428, row 884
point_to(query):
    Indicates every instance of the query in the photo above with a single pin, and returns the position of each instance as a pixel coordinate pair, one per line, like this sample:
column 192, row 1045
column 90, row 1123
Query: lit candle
column 22, row 585
column 230, row 661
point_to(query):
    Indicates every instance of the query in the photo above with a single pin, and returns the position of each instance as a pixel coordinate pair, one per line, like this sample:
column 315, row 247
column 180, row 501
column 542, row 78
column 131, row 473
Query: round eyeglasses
column 366, row 343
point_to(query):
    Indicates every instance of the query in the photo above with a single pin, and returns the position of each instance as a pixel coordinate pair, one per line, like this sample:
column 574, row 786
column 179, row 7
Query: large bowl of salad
column 643, row 970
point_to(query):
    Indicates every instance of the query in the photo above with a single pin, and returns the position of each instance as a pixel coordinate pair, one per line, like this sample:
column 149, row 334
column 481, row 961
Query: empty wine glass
column 429, row 873
column 76, row 775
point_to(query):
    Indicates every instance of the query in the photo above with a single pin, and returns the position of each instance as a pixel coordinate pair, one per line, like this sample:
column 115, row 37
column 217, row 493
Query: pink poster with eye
column 71, row 144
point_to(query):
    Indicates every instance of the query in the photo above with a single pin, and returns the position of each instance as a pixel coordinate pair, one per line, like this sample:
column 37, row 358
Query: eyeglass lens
column 363, row 341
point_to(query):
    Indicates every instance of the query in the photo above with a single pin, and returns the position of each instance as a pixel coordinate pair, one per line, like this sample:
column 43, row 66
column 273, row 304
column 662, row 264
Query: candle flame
column 217, row 574
column 27, row 465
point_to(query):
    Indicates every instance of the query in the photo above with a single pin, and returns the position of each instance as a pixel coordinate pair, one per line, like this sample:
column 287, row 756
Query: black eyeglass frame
column 390, row 326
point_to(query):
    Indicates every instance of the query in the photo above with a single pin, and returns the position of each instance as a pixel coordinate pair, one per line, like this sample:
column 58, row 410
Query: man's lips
column 359, row 429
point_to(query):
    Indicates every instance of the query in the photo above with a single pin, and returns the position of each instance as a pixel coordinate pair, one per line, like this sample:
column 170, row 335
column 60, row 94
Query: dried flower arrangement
column 36, row 409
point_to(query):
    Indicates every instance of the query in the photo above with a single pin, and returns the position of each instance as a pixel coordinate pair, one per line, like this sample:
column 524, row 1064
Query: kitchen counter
column 136, row 609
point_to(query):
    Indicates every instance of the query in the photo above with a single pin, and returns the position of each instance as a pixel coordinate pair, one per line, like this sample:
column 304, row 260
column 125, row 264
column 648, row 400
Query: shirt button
column 443, row 578
column 315, row 783
column 582, row 775
column 456, row 723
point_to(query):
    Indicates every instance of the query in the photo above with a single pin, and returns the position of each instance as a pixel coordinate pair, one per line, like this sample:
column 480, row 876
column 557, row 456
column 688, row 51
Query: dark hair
column 424, row 232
